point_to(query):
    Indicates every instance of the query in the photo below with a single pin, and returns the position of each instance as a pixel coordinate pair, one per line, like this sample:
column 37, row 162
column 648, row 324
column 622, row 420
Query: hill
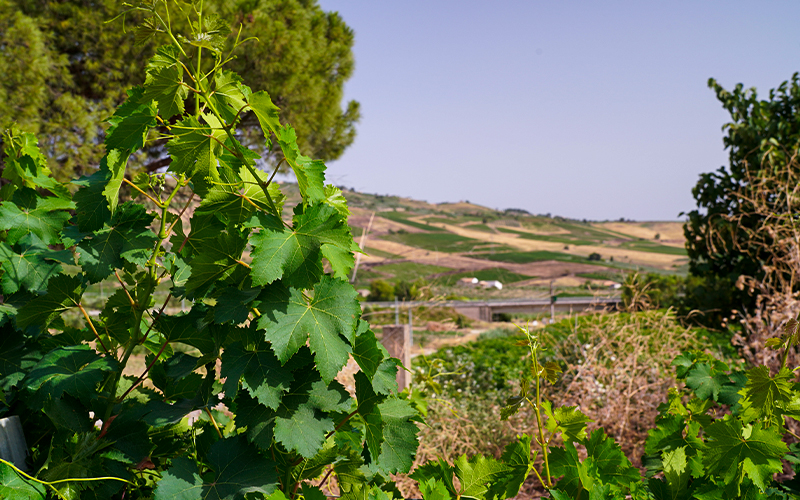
column 440, row 243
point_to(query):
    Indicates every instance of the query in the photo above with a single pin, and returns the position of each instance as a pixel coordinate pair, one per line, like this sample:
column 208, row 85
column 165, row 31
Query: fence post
column 397, row 340
column 12, row 442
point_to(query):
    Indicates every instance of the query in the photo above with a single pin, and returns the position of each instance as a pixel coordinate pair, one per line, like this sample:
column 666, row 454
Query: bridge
column 484, row 310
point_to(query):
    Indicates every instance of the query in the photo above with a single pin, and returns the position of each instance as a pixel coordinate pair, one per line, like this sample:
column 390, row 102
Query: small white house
column 491, row 284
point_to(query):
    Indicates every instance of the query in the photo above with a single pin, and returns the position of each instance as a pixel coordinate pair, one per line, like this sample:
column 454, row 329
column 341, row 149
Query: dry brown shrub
column 617, row 369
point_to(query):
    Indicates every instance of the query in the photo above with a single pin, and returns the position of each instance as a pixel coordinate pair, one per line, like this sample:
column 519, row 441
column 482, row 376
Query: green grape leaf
column 610, row 461
column 294, row 254
column 165, row 86
column 734, row 451
column 92, row 208
column 131, row 122
column 476, row 475
column 368, row 408
column 13, row 486
column 194, row 152
column 302, row 431
column 367, row 351
column 31, row 268
column 576, row 477
column 260, row 371
column 568, row 420
column 76, row 370
column 310, row 173
column 676, row 470
column 215, row 263
column 28, row 213
column 63, row 293
column 705, row 383
column 259, row 420
column 266, row 112
column 16, row 357
column 436, row 471
column 188, row 328
column 206, row 228
column 211, row 34
column 325, row 320
column 667, row 435
column 399, row 436
column 236, row 470
column 128, row 238
column 385, row 380
column 517, row 457
column 228, row 96
column 234, row 304
column 335, row 198
column 763, row 396
column 236, row 199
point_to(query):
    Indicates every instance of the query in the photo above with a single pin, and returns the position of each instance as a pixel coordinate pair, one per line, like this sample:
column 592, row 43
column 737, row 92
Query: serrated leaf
column 792, row 331
column 188, row 328
column 303, row 432
column 164, row 82
column 30, row 268
column 238, row 197
column 28, row 213
column 92, row 208
column 63, row 293
column 295, row 254
column 399, row 436
column 476, row 474
column 17, row 357
column 127, row 239
column 227, row 96
column 704, row 382
column 734, row 451
column 76, row 370
column 325, row 320
column 210, row 34
column 568, row 420
column 266, row 112
column 335, row 198
column 130, row 123
column 236, row 469
column 215, row 263
column 259, row 420
column 368, row 408
column 194, row 153
column 234, row 304
column 310, row 173
column 676, row 470
column 612, row 464
column 519, row 460
column 13, row 486
column 260, row 372
column 763, row 396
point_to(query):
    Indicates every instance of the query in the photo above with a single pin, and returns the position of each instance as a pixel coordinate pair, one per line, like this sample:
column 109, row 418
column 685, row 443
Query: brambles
column 264, row 316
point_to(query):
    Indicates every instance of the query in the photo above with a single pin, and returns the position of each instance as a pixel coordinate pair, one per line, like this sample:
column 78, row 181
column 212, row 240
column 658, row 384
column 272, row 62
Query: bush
column 594, row 256
column 381, row 290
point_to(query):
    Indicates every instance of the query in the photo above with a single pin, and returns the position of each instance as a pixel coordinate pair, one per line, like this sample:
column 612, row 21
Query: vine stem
column 94, row 330
column 51, row 483
column 213, row 421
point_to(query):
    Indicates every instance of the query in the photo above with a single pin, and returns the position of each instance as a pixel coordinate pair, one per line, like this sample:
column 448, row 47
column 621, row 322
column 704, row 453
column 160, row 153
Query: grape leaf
column 14, row 487
column 194, row 153
column 63, row 293
column 611, row 462
column 234, row 304
column 568, row 420
column 310, row 173
column 476, row 473
column 266, row 112
column 368, row 409
column 734, row 451
column 763, row 396
column 128, row 238
column 228, row 96
column 31, row 268
column 29, row 213
column 130, row 123
column 324, row 320
column 236, row 469
column 399, row 436
column 367, row 351
column 261, row 373
column 188, row 328
column 92, row 209
column 259, row 420
column 236, row 199
column 294, row 254
column 164, row 82
column 517, row 457
column 215, row 263
column 76, row 370
column 704, row 383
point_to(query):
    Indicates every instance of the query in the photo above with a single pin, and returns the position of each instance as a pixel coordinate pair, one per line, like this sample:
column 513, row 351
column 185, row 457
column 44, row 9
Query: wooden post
column 12, row 442
column 397, row 340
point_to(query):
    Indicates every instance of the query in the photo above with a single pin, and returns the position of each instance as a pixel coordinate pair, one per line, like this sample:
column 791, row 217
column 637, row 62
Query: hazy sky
column 595, row 110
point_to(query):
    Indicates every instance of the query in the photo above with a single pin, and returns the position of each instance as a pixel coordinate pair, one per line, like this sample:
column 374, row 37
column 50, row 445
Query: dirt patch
column 670, row 233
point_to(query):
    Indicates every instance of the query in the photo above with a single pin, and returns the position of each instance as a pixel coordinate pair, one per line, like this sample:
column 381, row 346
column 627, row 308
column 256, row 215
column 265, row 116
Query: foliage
column 264, row 315
column 66, row 70
column 381, row 291
column 594, row 256
column 762, row 140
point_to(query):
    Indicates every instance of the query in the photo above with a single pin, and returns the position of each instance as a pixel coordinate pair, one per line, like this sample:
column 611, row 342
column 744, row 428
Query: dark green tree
column 72, row 67
column 728, row 234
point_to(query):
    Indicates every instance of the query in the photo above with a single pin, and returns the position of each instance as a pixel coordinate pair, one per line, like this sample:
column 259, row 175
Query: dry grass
column 617, row 370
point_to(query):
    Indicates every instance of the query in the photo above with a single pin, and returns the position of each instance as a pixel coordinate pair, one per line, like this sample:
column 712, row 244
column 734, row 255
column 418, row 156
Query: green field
column 402, row 218
column 440, row 242
column 409, row 271
column 536, row 256
column 649, row 246
column 498, row 273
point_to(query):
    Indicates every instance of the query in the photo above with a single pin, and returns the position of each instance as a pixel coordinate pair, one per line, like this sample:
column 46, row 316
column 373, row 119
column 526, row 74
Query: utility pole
column 361, row 245
column 552, row 304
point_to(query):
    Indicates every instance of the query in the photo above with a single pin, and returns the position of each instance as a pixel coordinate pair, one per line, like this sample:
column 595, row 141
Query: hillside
column 410, row 239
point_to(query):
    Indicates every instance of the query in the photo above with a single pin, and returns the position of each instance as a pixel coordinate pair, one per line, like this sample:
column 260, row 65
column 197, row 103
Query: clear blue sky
column 595, row 110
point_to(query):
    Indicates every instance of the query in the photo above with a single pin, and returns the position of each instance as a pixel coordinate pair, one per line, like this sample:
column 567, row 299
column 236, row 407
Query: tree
column 731, row 233
column 72, row 69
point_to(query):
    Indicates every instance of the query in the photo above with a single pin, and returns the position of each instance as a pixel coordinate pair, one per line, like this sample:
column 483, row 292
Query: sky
column 595, row 110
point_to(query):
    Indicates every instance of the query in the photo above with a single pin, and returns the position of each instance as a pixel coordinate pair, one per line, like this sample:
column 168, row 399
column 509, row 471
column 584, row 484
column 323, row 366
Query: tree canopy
column 66, row 68
column 726, row 234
